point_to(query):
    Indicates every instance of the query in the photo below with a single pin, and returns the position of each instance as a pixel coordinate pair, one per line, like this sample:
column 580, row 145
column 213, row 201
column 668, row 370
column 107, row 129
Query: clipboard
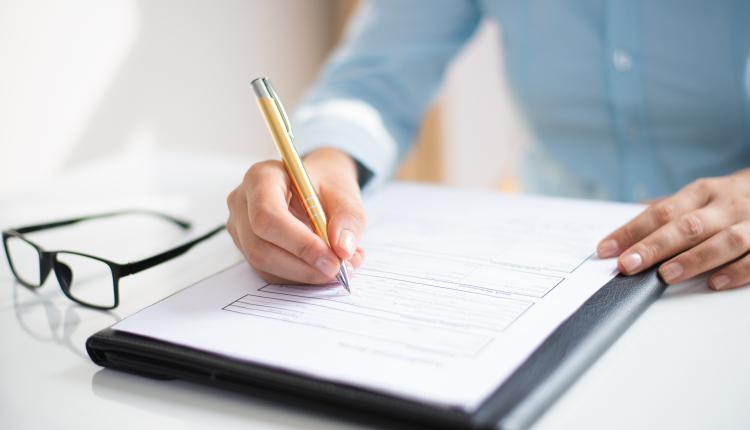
column 516, row 404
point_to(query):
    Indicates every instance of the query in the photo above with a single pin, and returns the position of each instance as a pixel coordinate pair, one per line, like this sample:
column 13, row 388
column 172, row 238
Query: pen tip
column 343, row 277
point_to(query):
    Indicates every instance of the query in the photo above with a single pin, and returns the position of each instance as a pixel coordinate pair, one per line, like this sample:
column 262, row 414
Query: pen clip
column 279, row 106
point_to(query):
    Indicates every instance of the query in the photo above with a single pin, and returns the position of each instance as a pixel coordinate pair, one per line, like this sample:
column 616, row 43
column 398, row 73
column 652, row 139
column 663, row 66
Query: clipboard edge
column 569, row 352
column 550, row 370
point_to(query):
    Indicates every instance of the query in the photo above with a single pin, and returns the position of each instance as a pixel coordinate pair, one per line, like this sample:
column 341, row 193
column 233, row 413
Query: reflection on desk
column 39, row 317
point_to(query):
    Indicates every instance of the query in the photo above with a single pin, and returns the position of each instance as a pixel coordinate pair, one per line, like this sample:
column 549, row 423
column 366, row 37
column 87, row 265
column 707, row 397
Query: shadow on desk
column 183, row 399
column 693, row 287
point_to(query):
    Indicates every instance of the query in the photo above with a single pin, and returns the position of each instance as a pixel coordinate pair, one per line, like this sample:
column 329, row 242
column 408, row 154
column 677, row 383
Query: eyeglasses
column 86, row 279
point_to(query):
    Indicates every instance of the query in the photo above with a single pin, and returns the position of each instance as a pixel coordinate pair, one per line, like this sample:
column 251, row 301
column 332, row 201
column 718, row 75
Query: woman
column 626, row 100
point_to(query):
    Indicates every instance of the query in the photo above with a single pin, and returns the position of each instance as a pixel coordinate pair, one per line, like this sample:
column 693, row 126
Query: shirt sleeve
column 372, row 93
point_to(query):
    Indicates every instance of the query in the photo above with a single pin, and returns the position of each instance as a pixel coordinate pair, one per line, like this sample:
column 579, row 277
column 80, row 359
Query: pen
column 281, row 131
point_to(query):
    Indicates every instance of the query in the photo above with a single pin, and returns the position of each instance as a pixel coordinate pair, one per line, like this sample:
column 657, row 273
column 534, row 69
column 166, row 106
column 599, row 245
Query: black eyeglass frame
column 48, row 259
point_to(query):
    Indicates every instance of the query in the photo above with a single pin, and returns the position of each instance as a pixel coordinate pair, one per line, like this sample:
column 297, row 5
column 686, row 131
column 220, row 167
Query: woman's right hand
column 269, row 226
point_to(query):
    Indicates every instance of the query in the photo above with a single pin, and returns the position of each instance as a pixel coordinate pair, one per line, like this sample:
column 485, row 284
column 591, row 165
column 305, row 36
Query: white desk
column 684, row 364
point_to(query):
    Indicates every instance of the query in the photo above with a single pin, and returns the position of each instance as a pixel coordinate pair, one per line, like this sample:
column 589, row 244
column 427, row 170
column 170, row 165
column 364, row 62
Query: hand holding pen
column 270, row 226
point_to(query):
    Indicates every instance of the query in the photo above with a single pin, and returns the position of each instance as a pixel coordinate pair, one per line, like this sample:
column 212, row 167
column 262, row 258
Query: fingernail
column 720, row 282
column 671, row 271
column 608, row 248
column 349, row 267
column 631, row 261
column 327, row 267
column 346, row 241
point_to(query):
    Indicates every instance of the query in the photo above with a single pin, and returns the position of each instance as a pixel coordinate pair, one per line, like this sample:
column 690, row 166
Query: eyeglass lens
column 86, row 279
column 25, row 261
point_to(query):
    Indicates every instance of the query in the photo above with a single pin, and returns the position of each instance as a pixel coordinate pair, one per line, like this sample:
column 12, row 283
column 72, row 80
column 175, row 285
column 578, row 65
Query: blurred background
column 85, row 80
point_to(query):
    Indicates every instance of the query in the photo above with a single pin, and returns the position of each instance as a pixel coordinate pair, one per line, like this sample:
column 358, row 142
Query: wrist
column 332, row 160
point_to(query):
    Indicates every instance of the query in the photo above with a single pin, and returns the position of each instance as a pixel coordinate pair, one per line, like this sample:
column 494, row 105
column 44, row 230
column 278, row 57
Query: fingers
column 270, row 259
column 273, row 260
column 338, row 190
column 653, row 201
column 271, row 278
column 269, row 226
column 346, row 219
column 267, row 217
column 733, row 275
column 725, row 246
column 270, row 220
column 663, row 212
column 676, row 236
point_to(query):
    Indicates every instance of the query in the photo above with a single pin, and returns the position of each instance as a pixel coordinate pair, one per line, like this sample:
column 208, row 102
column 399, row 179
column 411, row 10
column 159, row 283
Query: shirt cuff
column 353, row 127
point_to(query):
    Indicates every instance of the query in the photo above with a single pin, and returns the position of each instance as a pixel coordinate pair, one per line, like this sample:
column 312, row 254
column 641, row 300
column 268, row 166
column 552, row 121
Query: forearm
column 372, row 94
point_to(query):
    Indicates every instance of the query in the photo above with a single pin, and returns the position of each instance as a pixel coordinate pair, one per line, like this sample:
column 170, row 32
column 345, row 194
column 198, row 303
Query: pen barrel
column 294, row 167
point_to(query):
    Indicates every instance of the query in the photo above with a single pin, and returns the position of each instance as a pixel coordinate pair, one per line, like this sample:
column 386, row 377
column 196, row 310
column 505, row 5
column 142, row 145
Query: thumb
column 346, row 217
column 339, row 195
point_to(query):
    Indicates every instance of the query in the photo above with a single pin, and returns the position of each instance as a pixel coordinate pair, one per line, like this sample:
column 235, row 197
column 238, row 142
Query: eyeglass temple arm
column 138, row 266
column 55, row 224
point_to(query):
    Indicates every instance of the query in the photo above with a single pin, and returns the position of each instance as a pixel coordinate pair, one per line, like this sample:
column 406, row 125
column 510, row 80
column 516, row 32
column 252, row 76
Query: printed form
column 457, row 289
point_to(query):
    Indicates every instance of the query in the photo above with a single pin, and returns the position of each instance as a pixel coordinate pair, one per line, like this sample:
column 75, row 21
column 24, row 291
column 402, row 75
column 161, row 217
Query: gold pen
column 281, row 131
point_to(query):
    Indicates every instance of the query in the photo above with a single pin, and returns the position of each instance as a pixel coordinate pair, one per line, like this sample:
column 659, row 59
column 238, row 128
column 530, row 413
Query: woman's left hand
column 704, row 226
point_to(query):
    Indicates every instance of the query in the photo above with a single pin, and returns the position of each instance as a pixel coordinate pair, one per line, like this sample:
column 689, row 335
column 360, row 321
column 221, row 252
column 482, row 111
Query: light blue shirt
column 626, row 99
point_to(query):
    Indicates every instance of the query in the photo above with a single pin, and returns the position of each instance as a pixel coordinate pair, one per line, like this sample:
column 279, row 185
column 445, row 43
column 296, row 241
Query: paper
column 457, row 290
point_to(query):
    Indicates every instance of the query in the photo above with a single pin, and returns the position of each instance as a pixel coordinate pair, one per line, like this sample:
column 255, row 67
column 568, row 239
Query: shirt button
column 621, row 60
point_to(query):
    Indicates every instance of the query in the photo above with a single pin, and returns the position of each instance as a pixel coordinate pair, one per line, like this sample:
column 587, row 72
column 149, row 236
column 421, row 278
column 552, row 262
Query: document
column 457, row 289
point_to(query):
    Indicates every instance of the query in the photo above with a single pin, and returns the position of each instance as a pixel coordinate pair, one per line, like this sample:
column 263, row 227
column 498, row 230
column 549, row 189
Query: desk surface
column 685, row 363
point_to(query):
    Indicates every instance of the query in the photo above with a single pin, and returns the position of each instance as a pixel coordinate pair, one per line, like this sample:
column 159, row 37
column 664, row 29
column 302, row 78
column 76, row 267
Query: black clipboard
column 517, row 403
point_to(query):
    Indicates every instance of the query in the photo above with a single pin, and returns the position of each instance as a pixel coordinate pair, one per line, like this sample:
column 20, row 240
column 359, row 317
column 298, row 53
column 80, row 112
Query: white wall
column 81, row 79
